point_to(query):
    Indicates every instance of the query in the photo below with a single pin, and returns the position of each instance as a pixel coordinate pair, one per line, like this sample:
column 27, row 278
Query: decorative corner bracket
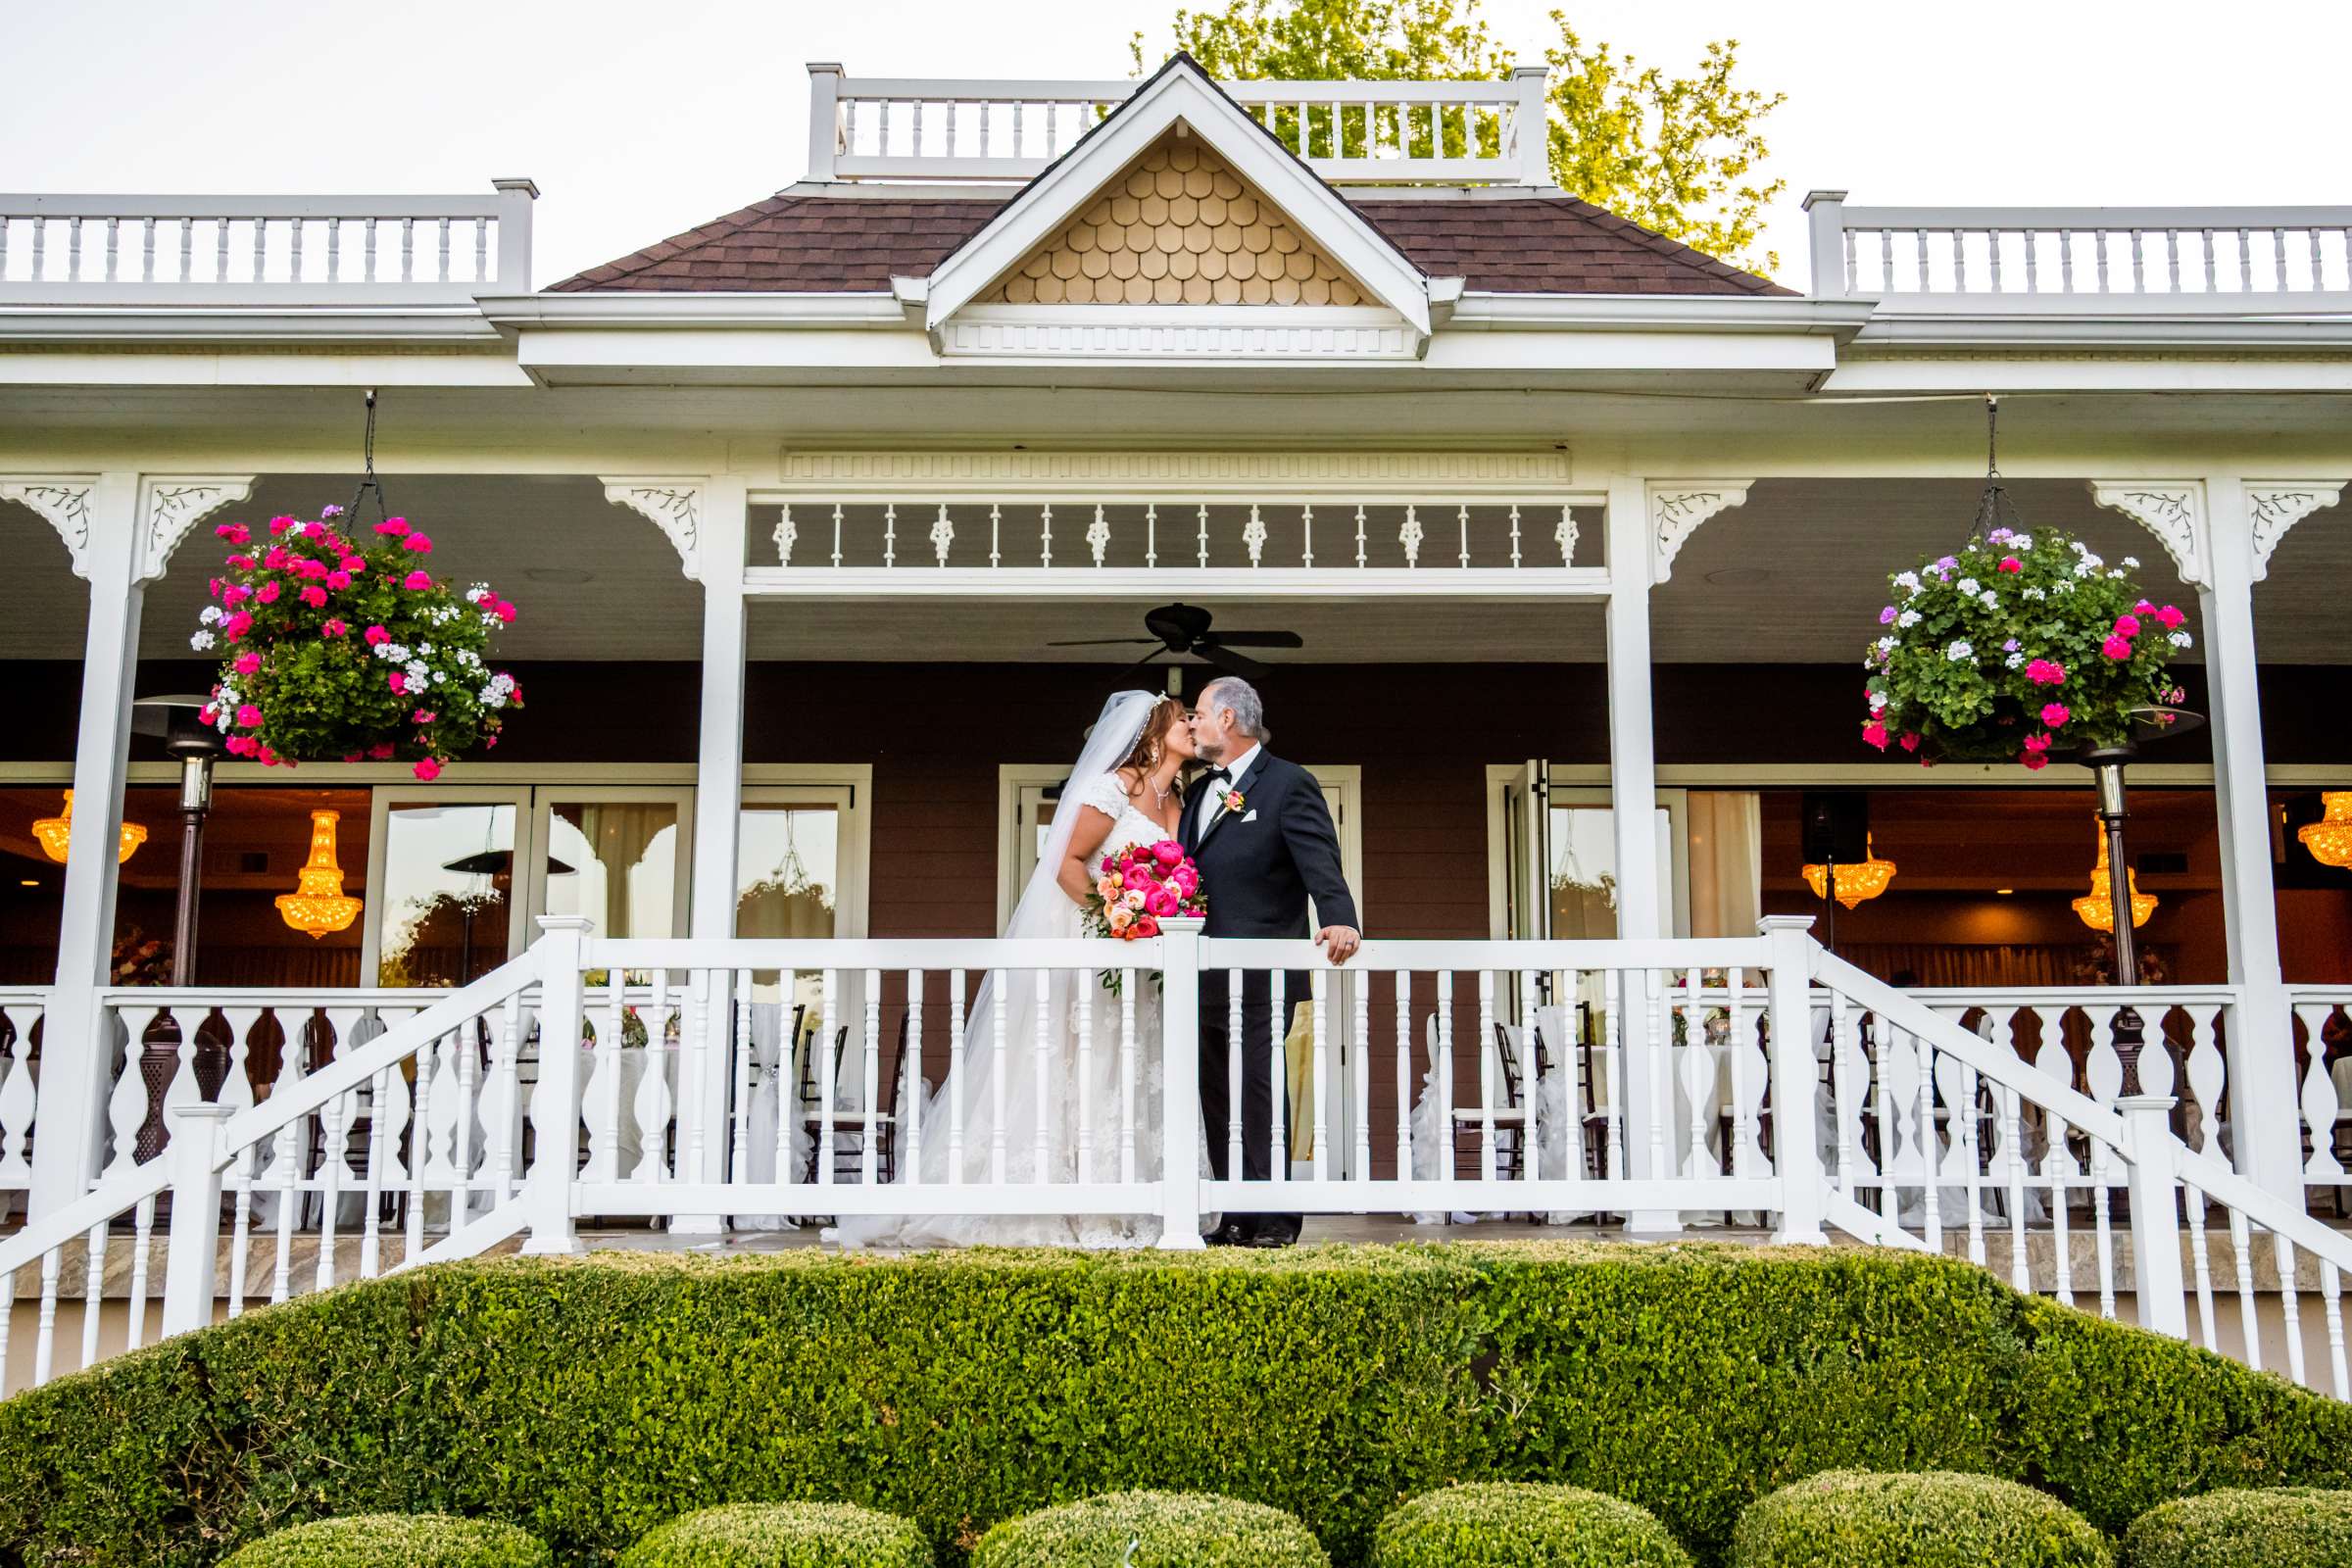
column 2277, row 506
column 65, row 501
column 170, row 506
column 1677, row 507
column 2172, row 510
column 675, row 507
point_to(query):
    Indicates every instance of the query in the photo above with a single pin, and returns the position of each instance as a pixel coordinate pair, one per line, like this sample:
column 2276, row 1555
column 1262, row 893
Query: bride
column 1123, row 790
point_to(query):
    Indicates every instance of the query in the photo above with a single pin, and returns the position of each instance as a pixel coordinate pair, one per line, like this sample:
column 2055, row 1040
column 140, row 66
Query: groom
column 1257, row 828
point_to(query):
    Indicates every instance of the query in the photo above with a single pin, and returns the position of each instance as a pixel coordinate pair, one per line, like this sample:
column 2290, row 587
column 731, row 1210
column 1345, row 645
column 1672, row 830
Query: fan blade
column 1230, row 663
column 1107, row 642
column 1254, row 639
column 1138, row 667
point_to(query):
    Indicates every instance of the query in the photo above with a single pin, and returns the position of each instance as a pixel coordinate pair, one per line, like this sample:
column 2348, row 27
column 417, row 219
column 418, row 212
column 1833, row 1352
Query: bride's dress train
column 1006, row 1116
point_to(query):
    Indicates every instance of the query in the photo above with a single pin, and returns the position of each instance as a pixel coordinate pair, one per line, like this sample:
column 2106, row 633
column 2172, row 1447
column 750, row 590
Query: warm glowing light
column 318, row 904
column 1854, row 882
column 2004, row 892
column 2330, row 840
column 55, row 832
column 2097, row 907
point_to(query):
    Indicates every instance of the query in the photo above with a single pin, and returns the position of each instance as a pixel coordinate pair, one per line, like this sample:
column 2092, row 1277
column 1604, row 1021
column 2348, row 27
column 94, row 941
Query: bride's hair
column 1152, row 743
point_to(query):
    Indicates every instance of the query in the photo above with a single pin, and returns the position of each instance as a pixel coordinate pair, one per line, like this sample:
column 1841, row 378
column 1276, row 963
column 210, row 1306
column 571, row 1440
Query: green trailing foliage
column 1936, row 1520
column 782, row 1535
column 395, row 1540
column 1523, row 1525
column 2280, row 1527
column 590, row 1400
column 1152, row 1530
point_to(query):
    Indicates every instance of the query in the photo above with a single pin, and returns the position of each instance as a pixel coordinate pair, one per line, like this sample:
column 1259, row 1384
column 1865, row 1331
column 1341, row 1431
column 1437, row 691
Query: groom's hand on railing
column 1339, row 942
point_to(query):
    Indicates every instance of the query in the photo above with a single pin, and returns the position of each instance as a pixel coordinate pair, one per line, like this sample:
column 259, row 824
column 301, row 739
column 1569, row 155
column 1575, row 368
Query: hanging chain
column 1995, row 499
column 368, row 483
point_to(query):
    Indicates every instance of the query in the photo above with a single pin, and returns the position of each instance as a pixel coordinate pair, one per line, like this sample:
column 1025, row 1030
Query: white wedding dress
column 1045, row 912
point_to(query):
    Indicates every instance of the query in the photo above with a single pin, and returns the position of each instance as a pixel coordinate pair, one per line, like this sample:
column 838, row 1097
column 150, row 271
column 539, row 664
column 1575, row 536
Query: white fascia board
column 712, row 353
column 694, row 311
column 167, row 365
column 2024, row 371
column 222, row 326
column 1631, row 349
column 1770, row 314
column 1050, row 201
column 2100, row 327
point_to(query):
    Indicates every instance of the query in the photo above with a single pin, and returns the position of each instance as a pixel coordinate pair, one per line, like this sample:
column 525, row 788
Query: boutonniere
column 1235, row 801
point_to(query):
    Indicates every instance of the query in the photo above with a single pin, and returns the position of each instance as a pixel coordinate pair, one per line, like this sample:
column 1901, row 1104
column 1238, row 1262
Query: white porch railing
column 2323, row 1035
column 2085, row 260
column 1384, row 132
column 21, row 1011
column 71, row 250
column 1672, row 1078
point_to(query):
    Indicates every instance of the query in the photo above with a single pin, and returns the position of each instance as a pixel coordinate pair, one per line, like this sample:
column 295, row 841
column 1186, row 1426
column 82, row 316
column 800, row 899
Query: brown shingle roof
column 856, row 244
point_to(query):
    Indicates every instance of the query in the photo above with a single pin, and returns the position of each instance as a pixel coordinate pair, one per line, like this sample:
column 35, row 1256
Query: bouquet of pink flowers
column 1141, row 886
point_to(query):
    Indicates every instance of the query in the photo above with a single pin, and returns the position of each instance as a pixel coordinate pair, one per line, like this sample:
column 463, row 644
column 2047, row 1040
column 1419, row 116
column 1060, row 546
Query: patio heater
column 494, row 864
column 197, row 745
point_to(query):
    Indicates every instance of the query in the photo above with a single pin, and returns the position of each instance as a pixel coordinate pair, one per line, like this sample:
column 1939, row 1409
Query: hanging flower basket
column 2021, row 644
column 336, row 647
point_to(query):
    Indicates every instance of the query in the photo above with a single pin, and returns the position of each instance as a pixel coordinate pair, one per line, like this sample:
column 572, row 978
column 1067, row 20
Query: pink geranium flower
column 236, row 533
column 266, row 593
column 505, row 612
column 248, row 663
column 416, row 580
column 429, row 769
column 422, row 715
column 2171, row 616
column 377, row 636
column 381, row 750
column 400, row 683
column 335, row 628
column 275, row 558
column 395, row 526
column 2055, row 714
column 315, row 596
column 1910, row 743
column 2046, row 673
column 236, row 625
column 2012, row 563
column 2126, row 626
column 338, row 580
column 249, row 715
column 353, row 564
column 418, row 543
column 278, row 526
column 1875, row 733
column 2116, row 647
column 313, row 532
column 2035, row 761
column 239, row 563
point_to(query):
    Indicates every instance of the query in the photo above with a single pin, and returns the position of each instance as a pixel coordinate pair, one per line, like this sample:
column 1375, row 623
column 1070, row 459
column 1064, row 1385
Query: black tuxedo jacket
column 1259, row 864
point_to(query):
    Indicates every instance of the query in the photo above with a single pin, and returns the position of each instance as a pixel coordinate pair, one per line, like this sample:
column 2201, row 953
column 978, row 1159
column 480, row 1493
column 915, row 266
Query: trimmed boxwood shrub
column 1523, row 1525
column 395, row 1540
column 589, row 1399
column 1152, row 1530
column 1934, row 1520
column 2276, row 1527
column 782, row 1535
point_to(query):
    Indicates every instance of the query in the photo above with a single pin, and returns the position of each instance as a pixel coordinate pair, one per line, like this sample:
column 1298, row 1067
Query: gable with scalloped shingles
column 1177, row 227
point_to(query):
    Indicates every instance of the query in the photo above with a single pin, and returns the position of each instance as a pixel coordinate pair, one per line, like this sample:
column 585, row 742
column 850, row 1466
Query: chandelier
column 55, row 832
column 318, row 904
column 2330, row 840
column 1855, row 883
column 2097, row 907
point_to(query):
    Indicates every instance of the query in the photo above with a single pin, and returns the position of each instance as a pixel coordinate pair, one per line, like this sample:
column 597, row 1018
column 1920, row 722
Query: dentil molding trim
column 2174, row 510
column 2276, row 506
column 1677, row 507
column 63, row 500
column 171, row 505
column 675, row 507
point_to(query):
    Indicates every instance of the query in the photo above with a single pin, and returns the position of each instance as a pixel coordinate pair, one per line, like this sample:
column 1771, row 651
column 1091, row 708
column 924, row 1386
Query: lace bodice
column 1128, row 822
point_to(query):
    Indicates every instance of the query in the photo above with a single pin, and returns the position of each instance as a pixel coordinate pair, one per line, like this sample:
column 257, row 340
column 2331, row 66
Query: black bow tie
column 1225, row 773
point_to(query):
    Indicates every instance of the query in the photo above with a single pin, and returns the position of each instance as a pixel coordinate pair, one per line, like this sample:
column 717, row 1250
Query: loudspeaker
column 1837, row 827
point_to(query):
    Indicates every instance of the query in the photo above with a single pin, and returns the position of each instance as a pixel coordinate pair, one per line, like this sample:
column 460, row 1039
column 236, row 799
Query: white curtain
column 1726, row 841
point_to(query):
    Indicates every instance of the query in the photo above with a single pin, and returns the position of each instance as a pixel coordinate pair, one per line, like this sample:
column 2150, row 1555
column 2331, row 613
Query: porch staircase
column 282, row 1170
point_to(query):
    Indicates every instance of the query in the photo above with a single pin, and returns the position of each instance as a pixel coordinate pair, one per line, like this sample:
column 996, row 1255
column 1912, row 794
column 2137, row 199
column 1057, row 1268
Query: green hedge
column 782, row 1535
column 1933, row 1520
column 394, row 1540
column 589, row 1399
column 1152, row 1530
column 1500, row 1524
column 2280, row 1527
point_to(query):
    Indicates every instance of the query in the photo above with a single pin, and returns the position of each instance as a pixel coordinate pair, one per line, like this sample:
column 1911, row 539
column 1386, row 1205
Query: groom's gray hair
column 1236, row 694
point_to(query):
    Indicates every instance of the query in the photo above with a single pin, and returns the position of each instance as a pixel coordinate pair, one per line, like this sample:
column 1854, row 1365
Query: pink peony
column 266, row 593
column 418, row 543
column 248, row 663
column 2171, row 616
column 1184, row 880
column 315, row 596
column 335, row 628
column 429, row 769
column 249, row 715
column 2116, row 647
column 377, row 636
column 415, row 580
column 2012, row 563
column 1167, row 851
column 1875, row 733
column 1145, row 927
column 2126, row 626
column 400, row 683
column 236, row 533
column 1110, row 865
column 1163, row 902
column 2054, row 715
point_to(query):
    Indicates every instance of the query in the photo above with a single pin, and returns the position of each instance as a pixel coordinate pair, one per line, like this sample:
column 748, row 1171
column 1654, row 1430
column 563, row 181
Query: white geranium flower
column 1908, row 619
column 2031, row 593
column 1877, row 700
column 2022, row 542
column 201, row 641
column 212, row 614
column 2131, row 562
column 1968, row 586
column 417, row 669
column 1907, row 580
column 1885, row 645
column 2180, row 639
column 1959, row 650
column 1992, row 601
column 2012, row 660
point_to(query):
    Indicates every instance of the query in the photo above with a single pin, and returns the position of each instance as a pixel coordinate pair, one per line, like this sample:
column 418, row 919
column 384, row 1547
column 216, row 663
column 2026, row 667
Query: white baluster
column 955, row 1076
column 1127, row 1072
column 1234, row 1042
column 651, row 1109
column 1404, row 1077
column 1042, row 1059
column 2283, row 1257
column 603, row 1093
column 943, row 535
column 1445, row 1070
column 870, row 1079
column 828, row 1074
column 910, row 1091
column 1278, row 1029
column 998, row 1062
column 1083, row 985
column 1486, row 1075
column 142, row 1247
column 1362, row 1017
column 1097, row 535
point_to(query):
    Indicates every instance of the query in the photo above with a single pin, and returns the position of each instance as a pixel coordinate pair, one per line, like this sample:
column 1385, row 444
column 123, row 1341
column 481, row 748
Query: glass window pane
column 449, row 882
column 616, row 862
column 1583, row 875
column 787, row 870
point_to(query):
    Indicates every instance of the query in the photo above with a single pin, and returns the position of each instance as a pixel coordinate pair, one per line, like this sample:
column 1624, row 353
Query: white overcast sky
column 638, row 121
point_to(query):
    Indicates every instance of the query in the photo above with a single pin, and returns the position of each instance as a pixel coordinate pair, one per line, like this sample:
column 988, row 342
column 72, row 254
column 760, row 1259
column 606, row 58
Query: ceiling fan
column 1182, row 629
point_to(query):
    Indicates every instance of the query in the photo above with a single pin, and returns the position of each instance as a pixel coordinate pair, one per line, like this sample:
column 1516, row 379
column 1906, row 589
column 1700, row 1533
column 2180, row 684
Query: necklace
column 1160, row 796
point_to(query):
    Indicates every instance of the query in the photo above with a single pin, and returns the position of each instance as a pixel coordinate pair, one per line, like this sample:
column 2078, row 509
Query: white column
column 717, row 824
column 98, row 515
column 2267, row 1130
column 1633, row 799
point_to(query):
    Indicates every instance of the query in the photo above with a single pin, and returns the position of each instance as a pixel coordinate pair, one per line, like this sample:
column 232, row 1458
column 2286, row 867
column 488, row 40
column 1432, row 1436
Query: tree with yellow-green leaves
column 1681, row 154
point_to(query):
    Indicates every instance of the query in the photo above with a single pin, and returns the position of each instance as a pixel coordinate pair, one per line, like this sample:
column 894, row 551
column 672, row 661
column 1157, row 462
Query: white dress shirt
column 1214, row 800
